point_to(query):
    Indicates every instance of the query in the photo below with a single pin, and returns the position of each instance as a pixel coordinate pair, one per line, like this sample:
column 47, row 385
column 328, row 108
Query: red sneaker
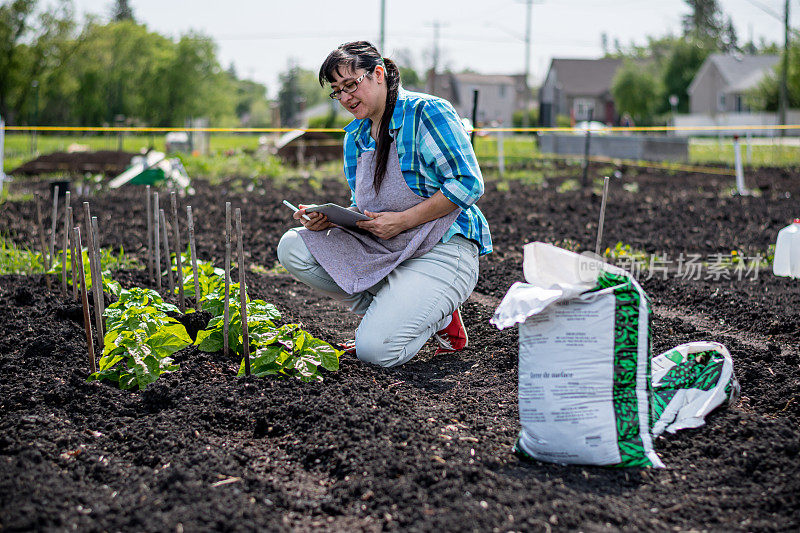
column 453, row 338
column 348, row 347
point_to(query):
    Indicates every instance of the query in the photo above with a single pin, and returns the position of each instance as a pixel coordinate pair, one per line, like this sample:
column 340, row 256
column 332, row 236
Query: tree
column 635, row 90
column 299, row 90
column 765, row 96
column 33, row 46
column 704, row 21
column 408, row 74
column 251, row 104
column 121, row 11
column 680, row 68
column 128, row 71
column 289, row 96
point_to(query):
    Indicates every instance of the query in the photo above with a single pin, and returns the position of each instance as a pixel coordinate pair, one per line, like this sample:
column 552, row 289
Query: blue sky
column 261, row 37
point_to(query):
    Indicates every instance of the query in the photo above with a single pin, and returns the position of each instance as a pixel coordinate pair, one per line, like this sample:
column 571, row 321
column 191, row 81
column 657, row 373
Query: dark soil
column 423, row 447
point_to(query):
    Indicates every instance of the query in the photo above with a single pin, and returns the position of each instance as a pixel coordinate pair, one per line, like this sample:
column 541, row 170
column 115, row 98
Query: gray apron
column 358, row 260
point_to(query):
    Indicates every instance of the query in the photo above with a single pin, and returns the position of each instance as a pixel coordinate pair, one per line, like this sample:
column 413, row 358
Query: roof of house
column 740, row 72
column 585, row 77
column 484, row 79
column 446, row 83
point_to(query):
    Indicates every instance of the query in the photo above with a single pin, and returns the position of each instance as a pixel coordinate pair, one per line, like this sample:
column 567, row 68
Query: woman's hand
column 385, row 225
column 318, row 221
column 388, row 224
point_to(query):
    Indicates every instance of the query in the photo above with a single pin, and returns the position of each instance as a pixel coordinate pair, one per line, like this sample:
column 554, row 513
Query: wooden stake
column 66, row 244
column 149, row 234
column 74, row 257
column 156, row 236
column 226, row 307
column 53, row 222
column 167, row 259
column 602, row 218
column 97, row 282
column 89, row 241
column 40, row 230
column 243, row 294
column 173, row 198
column 193, row 250
column 98, row 263
column 87, row 323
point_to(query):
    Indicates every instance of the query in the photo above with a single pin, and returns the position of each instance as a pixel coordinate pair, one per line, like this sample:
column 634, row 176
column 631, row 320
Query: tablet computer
column 338, row 214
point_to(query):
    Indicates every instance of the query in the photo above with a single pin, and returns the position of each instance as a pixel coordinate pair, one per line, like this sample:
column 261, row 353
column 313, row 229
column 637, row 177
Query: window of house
column 720, row 101
column 582, row 107
column 502, row 91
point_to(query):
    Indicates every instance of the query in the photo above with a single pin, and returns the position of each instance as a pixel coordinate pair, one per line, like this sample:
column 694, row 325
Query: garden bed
column 426, row 446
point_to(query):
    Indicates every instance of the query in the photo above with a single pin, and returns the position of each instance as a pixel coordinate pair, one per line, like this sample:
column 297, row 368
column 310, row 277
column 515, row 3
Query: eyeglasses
column 349, row 87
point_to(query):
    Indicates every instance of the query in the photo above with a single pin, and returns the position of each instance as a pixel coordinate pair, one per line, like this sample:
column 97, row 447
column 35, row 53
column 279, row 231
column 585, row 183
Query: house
column 499, row 95
column 579, row 88
column 723, row 81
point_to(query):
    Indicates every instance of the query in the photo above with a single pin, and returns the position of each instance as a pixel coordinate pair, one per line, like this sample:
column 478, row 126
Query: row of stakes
column 156, row 230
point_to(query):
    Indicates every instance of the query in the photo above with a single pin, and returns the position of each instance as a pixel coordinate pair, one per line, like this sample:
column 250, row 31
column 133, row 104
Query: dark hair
column 364, row 55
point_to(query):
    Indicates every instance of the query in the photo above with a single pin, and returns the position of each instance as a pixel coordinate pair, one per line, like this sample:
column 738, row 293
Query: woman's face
column 369, row 98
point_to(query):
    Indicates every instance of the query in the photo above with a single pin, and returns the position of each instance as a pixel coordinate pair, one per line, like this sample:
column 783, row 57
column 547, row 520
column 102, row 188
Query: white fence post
column 501, row 156
column 737, row 152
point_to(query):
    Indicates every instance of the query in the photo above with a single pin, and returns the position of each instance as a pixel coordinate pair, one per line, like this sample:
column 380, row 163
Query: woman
column 411, row 169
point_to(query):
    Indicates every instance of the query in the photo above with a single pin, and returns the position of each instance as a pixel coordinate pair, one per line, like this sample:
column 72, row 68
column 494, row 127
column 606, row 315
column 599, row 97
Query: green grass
column 768, row 152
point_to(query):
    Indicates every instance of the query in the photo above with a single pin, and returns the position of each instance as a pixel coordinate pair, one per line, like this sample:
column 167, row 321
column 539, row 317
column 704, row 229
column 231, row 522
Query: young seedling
column 149, row 233
column 66, row 244
column 178, row 262
column 193, row 250
column 170, row 277
column 226, row 311
column 53, row 221
column 87, row 323
column 97, row 283
column 156, row 236
column 243, row 294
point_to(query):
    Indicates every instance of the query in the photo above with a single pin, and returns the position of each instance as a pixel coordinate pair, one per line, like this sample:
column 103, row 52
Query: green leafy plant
column 140, row 339
column 290, row 351
column 285, row 350
column 260, row 318
column 209, row 277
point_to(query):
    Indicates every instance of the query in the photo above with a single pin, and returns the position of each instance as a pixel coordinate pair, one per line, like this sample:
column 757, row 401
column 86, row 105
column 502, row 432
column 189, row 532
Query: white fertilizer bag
column 584, row 360
column 690, row 381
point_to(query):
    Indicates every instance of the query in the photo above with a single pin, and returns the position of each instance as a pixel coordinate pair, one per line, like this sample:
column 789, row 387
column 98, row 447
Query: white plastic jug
column 787, row 251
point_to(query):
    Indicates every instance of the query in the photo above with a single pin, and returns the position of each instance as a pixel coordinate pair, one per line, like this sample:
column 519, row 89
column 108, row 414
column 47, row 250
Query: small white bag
column 690, row 381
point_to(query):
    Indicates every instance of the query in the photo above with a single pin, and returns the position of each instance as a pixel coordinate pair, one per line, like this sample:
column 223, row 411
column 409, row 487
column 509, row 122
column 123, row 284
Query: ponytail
column 384, row 140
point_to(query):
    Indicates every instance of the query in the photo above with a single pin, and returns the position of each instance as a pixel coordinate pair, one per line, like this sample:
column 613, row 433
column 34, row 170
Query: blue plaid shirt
column 435, row 154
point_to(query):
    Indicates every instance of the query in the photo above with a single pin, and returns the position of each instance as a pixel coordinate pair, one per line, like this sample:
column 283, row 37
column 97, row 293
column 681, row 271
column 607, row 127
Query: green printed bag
column 584, row 361
column 690, row 381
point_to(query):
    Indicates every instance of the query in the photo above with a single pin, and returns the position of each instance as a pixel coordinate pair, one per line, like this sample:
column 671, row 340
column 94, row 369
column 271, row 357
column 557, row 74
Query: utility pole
column 382, row 38
column 436, row 26
column 783, row 102
column 528, row 13
column 528, row 9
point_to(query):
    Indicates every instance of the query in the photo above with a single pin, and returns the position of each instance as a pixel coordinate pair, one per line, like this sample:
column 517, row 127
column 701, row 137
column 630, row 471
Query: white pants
column 403, row 310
